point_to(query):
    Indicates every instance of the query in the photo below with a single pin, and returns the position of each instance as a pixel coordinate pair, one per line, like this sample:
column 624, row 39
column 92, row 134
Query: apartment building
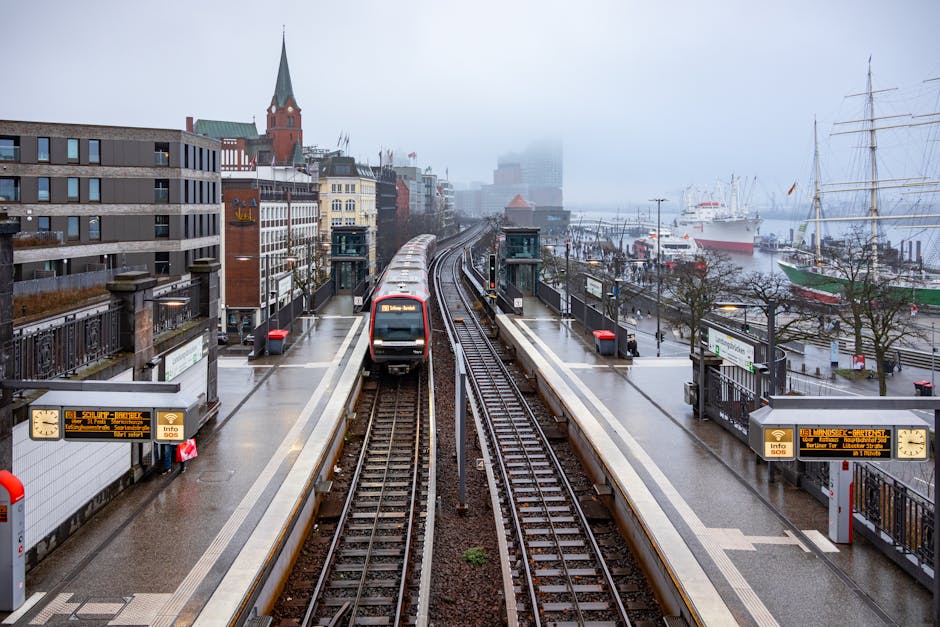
column 92, row 197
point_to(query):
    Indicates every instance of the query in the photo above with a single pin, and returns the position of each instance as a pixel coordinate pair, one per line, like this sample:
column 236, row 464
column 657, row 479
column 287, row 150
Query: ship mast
column 872, row 148
column 817, row 202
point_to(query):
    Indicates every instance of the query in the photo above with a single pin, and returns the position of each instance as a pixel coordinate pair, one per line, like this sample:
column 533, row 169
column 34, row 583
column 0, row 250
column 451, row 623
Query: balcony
column 40, row 239
column 9, row 153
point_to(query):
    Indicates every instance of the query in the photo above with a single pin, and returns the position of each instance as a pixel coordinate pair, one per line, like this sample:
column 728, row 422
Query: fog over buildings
column 641, row 99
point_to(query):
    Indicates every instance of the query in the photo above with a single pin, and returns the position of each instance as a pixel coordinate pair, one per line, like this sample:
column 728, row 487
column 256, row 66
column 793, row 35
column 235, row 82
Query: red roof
column 518, row 203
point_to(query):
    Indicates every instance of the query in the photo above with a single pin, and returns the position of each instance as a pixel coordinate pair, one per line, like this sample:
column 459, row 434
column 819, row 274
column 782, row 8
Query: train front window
column 398, row 319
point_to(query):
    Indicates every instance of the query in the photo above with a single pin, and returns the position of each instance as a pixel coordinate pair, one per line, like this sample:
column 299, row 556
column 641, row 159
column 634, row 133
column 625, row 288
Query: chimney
column 189, row 124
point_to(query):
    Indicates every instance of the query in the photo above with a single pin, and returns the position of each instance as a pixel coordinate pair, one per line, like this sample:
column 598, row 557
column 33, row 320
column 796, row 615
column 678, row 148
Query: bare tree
column 875, row 301
column 796, row 318
column 697, row 285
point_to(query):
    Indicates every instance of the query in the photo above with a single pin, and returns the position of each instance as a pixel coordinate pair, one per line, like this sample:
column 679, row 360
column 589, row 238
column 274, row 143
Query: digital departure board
column 837, row 443
column 108, row 424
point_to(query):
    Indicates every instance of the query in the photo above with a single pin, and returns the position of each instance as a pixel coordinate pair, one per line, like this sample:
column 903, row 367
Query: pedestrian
column 168, row 451
column 181, row 458
column 631, row 346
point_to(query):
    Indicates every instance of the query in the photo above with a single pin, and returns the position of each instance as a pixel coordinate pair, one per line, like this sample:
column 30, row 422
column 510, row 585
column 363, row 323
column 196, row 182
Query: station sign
column 845, row 442
column 778, row 443
column 593, row 287
column 732, row 350
column 107, row 424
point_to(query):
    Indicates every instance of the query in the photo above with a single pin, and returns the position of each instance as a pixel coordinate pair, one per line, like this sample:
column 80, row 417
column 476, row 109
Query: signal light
column 492, row 271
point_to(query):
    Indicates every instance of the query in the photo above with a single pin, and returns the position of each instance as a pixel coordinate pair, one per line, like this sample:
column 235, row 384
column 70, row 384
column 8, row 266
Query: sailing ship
column 808, row 269
column 719, row 224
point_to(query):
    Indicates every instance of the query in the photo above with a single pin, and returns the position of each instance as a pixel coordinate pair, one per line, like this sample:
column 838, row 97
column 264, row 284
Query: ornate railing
column 169, row 317
column 61, row 349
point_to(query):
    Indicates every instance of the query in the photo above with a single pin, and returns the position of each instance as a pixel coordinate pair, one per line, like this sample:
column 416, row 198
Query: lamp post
column 568, row 277
column 659, row 272
column 265, row 302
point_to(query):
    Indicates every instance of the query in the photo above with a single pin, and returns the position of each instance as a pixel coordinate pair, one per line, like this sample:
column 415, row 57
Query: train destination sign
column 107, row 424
column 397, row 308
column 841, row 442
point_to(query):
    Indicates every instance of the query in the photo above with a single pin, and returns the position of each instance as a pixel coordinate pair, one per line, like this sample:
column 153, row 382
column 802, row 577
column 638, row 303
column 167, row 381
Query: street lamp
column 659, row 272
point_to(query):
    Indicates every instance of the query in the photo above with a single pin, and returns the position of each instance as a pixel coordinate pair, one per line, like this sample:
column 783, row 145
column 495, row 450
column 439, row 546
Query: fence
column 82, row 280
column 170, row 317
column 322, row 295
column 62, row 349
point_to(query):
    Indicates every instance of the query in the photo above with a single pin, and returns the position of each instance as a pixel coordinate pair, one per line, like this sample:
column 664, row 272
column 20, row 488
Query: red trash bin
column 276, row 340
column 605, row 342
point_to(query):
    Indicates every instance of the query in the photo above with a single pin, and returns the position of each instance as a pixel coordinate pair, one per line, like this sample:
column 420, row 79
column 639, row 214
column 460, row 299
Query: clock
column 44, row 424
column 273, row 108
column 290, row 109
column 912, row 443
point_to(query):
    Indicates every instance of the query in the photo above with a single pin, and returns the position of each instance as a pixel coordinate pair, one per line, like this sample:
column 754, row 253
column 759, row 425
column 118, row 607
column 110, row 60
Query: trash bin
column 923, row 388
column 276, row 340
column 605, row 342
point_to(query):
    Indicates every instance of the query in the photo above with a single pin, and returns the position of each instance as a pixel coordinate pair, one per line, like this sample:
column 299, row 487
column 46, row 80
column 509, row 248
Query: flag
column 412, row 155
column 252, row 163
column 792, row 188
column 273, row 159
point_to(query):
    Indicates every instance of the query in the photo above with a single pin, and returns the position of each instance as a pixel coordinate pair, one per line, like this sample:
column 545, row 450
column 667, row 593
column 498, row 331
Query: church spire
column 283, row 90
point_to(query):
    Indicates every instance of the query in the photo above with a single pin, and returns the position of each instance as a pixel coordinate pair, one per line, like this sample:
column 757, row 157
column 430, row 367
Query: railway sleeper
column 363, row 601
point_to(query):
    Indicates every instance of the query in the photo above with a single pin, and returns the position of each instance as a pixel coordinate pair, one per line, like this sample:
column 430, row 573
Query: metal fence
column 550, row 296
column 322, row 295
column 82, row 280
column 170, row 317
column 64, row 348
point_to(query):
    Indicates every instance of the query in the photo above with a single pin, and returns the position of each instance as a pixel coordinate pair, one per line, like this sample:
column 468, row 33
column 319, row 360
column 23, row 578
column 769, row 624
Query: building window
column 350, row 188
column 94, row 227
column 336, row 222
column 42, row 149
column 161, row 263
column 161, row 190
column 72, row 149
column 350, row 221
column 43, row 224
column 350, row 205
column 9, row 188
column 161, row 153
column 337, row 205
column 290, row 121
column 94, row 151
column 73, row 189
column 94, row 190
column 42, row 189
column 9, row 148
column 72, row 229
column 161, row 226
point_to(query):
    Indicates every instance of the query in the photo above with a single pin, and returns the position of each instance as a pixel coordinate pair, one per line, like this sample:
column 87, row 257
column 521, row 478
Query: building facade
column 271, row 224
column 99, row 197
column 347, row 198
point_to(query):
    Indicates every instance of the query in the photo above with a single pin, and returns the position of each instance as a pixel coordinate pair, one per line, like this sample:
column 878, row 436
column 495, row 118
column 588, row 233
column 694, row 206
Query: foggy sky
column 648, row 97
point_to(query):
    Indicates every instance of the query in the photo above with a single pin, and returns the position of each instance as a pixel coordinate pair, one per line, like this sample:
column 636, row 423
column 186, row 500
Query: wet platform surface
column 158, row 551
column 763, row 546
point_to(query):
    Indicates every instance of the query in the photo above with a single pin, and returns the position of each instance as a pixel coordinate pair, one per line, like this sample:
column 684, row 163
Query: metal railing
column 901, row 516
column 38, row 239
column 161, row 194
column 58, row 350
column 82, row 280
column 161, row 158
column 167, row 317
column 322, row 295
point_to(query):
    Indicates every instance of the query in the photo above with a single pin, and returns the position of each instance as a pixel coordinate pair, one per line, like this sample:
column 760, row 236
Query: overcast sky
column 648, row 96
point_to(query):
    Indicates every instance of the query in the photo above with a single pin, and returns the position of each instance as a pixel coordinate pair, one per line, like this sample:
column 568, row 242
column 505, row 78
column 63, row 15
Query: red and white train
column 400, row 325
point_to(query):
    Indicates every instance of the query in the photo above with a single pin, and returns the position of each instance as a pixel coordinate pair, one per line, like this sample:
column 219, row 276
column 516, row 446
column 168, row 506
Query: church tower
column 284, row 121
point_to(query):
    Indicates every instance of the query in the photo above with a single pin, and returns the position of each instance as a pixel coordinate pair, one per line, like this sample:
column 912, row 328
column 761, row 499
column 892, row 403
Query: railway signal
column 492, row 271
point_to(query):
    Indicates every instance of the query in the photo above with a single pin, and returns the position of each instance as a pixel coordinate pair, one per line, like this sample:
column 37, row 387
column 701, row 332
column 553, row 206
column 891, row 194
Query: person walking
column 168, row 451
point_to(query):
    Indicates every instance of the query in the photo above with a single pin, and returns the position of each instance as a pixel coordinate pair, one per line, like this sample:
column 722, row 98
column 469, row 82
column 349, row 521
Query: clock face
column 290, row 109
column 273, row 108
column 44, row 424
column 912, row 443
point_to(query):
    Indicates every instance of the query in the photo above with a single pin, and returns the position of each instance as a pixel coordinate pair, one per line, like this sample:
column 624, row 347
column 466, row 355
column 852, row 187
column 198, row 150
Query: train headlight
column 420, row 341
column 376, row 342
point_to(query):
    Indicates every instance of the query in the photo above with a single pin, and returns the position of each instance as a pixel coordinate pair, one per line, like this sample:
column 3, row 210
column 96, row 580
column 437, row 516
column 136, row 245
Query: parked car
column 248, row 339
column 222, row 337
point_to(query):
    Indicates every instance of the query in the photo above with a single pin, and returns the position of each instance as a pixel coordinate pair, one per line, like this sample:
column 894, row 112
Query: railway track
column 366, row 578
column 559, row 574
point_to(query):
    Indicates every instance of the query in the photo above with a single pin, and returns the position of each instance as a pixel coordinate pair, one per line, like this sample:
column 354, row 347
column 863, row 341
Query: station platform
column 762, row 546
column 180, row 548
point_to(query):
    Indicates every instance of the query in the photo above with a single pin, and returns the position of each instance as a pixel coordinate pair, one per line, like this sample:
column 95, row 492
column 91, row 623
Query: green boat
column 813, row 282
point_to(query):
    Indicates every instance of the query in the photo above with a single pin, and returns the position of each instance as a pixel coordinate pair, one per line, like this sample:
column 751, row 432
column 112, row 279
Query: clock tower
column 283, row 115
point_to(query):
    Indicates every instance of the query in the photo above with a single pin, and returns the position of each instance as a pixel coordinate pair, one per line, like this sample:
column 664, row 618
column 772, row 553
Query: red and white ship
column 719, row 224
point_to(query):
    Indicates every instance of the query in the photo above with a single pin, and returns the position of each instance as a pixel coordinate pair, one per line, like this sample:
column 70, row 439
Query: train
column 400, row 324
